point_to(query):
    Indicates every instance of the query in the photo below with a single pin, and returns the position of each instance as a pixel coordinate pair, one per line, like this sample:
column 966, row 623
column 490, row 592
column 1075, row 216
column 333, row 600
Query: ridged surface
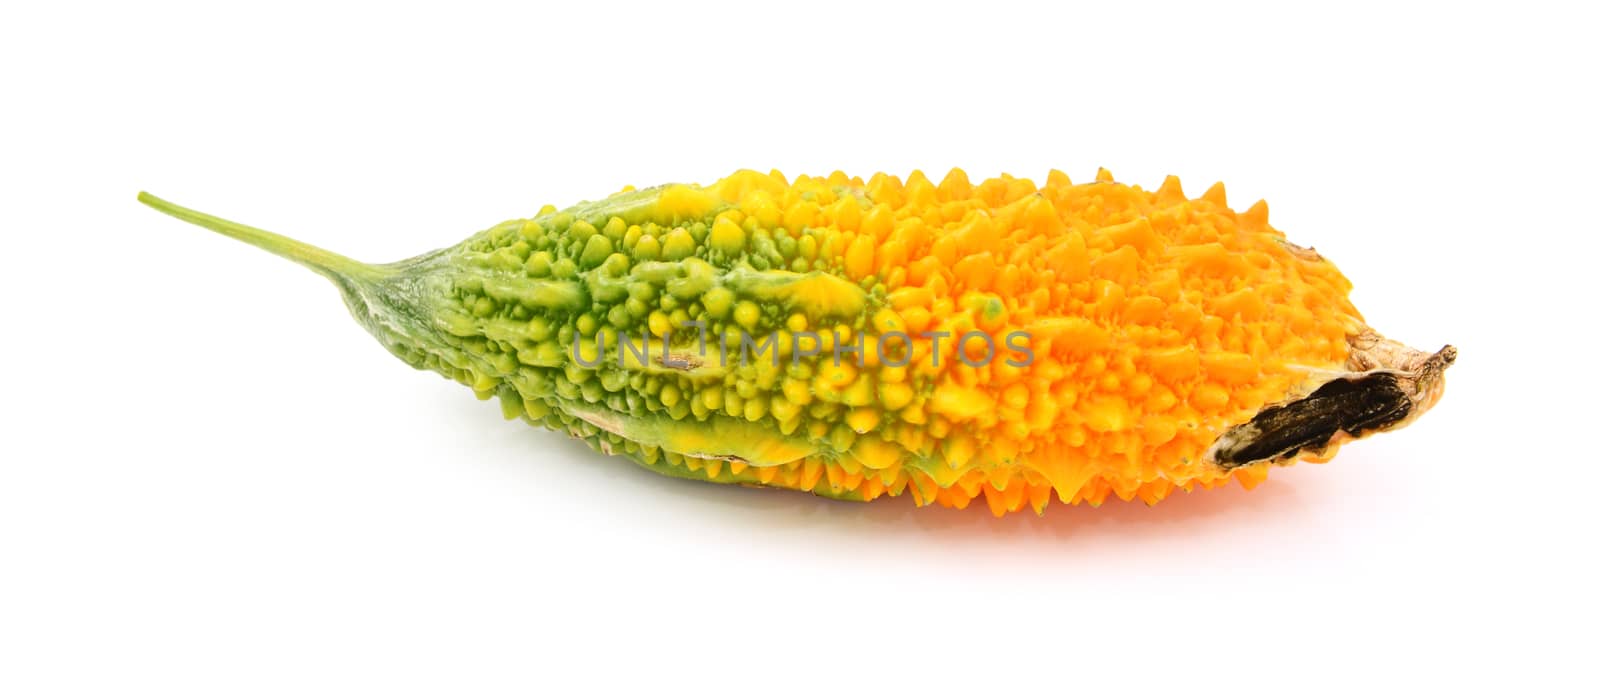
column 1156, row 321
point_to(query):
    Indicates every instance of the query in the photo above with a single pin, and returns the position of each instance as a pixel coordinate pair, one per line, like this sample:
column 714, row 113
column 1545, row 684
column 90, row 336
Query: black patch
column 1356, row 406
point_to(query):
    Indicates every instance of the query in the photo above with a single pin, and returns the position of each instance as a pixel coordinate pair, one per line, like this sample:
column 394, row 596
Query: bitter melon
column 856, row 339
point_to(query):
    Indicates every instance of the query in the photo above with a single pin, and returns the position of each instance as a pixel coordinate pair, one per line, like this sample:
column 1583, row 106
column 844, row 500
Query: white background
column 211, row 476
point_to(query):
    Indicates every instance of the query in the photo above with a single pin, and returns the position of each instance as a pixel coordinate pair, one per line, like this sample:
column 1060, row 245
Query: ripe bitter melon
column 856, row 339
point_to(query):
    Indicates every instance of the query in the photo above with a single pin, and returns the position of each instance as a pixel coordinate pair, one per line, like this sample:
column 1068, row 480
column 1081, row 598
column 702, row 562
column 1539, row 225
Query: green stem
column 327, row 263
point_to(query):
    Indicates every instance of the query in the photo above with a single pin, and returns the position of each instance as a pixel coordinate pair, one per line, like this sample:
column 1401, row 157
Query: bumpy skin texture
column 1156, row 323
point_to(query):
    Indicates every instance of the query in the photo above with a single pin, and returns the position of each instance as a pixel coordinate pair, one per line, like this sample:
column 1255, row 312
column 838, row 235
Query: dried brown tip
column 1388, row 385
